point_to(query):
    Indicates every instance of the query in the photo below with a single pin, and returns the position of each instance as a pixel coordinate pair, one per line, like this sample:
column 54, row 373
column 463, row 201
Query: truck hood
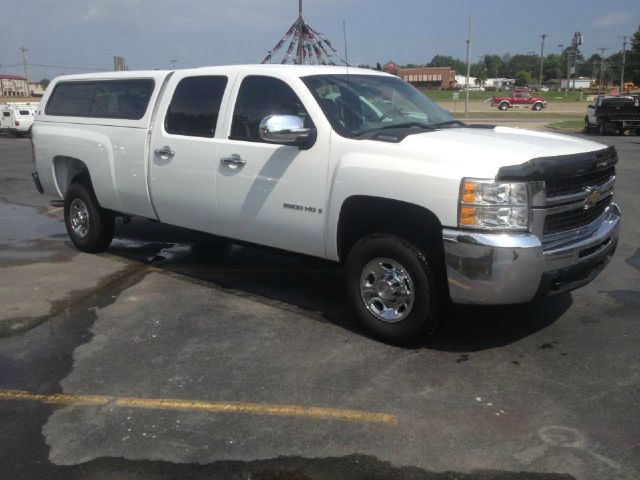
column 484, row 150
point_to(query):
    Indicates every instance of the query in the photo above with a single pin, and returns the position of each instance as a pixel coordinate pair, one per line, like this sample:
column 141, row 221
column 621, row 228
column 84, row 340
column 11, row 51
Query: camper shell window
column 124, row 99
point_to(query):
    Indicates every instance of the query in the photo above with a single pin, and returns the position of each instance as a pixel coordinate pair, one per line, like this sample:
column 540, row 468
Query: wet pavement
column 178, row 355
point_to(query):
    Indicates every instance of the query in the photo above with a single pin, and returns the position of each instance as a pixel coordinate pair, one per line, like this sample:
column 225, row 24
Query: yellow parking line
column 358, row 416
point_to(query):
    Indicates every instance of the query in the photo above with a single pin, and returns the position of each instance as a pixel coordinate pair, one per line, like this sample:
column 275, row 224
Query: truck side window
column 258, row 98
column 195, row 106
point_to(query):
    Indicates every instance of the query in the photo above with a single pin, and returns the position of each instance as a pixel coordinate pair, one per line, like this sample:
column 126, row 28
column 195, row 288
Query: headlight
column 493, row 205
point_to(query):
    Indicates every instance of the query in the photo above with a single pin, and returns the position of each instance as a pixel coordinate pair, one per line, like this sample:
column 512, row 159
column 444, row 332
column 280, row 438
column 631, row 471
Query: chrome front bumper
column 501, row 268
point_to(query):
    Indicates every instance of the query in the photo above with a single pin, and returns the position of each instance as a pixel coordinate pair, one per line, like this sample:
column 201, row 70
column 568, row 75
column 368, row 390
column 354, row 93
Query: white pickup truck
column 350, row 165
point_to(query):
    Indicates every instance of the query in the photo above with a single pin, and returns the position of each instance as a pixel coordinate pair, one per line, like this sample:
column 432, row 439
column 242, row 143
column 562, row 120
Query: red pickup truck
column 519, row 99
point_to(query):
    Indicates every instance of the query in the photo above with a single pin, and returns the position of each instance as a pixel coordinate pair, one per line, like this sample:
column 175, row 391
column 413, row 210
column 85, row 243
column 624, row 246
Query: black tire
column 537, row 107
column 587, row 127
column 99, row 226
column 424, row 313
column 503, row 106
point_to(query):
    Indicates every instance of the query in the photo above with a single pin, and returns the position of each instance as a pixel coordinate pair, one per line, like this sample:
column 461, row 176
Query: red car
column 519, row 98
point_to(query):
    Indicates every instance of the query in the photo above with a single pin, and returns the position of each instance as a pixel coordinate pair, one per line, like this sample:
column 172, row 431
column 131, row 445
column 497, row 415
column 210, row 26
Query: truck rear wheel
column 391, row 285
column 503, row 106
column 90, row 227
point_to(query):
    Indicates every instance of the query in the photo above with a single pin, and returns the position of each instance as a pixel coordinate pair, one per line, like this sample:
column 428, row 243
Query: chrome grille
column 574, row 219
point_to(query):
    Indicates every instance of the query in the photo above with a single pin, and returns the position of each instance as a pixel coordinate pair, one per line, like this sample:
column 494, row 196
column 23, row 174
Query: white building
column 13, row 86
column 461, row 80
column 578, row 83
column 499, row 83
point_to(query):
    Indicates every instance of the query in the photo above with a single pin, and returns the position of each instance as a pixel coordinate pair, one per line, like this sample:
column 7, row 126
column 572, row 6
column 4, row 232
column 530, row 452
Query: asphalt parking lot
column 173, row 355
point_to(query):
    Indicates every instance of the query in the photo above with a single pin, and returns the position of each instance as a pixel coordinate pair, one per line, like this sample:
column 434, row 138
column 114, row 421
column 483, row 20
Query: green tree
column 493, row 66
column 589, row 67
column 44, row 83
column 478, row 70
column 613, row 68
column 447, row 61
column 553, row 67
column 523, row 63
column 633, row 60
column 523, row 79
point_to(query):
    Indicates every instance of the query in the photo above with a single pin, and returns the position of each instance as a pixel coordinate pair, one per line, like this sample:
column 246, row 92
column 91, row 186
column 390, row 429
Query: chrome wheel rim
column 387, row 290
column 79, row 215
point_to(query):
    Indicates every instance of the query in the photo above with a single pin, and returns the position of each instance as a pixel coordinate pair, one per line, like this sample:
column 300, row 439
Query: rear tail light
column 17, row 123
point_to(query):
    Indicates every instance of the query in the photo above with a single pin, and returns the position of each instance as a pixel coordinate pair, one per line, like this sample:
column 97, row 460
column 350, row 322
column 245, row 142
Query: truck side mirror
column 286, row 130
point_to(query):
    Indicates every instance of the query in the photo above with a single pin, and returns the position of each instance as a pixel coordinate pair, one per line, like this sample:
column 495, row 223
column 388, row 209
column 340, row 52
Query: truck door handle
column 164, row 152
column 233, row 161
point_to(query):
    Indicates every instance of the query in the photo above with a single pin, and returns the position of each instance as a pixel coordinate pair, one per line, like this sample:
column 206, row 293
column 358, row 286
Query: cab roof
column 293, row 70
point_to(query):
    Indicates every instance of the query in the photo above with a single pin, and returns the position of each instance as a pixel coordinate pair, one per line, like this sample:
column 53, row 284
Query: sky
column 72, row 36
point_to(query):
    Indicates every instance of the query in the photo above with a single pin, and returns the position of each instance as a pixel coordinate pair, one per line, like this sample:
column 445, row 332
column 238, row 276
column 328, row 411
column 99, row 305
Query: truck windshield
column 360, row 104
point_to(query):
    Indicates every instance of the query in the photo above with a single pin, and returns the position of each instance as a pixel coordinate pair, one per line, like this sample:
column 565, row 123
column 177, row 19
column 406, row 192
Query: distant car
column 520, row 98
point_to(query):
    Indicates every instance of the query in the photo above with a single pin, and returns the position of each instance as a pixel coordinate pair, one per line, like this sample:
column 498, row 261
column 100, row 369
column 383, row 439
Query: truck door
column 183, row 151
column 268, row 193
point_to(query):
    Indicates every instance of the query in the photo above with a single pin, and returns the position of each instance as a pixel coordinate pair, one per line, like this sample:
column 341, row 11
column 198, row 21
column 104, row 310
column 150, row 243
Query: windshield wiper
column 449, row 122
column 424, row 126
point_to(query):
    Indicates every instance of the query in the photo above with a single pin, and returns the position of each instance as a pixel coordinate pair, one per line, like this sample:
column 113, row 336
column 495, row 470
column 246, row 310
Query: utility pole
column 561, row 47
column 543, row 36
column 566, row 91
column 24, row 61
column 572, row 51
column 577, row 40
column 624, row 51
column 300, row 34
column 466, row 83
column 602, row 49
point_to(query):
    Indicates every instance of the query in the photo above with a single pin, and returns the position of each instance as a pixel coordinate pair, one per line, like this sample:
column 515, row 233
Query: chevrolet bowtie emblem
column 592, row 197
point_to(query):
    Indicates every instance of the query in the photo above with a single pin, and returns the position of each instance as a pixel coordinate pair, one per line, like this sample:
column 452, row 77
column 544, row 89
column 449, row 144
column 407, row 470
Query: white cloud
column 615, row 18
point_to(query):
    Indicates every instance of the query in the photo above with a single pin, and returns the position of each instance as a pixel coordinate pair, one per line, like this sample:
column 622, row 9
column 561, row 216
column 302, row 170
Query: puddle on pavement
column 630, row 298
column 24, row 229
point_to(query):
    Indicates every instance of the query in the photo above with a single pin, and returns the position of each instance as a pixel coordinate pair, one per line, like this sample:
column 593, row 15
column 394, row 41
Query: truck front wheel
column 391, row 285
column 602, row 127
column 537, row 106
column 89, row 226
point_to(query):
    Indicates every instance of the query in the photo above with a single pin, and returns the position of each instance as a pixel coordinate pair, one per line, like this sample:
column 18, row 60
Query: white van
column 17, row 117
